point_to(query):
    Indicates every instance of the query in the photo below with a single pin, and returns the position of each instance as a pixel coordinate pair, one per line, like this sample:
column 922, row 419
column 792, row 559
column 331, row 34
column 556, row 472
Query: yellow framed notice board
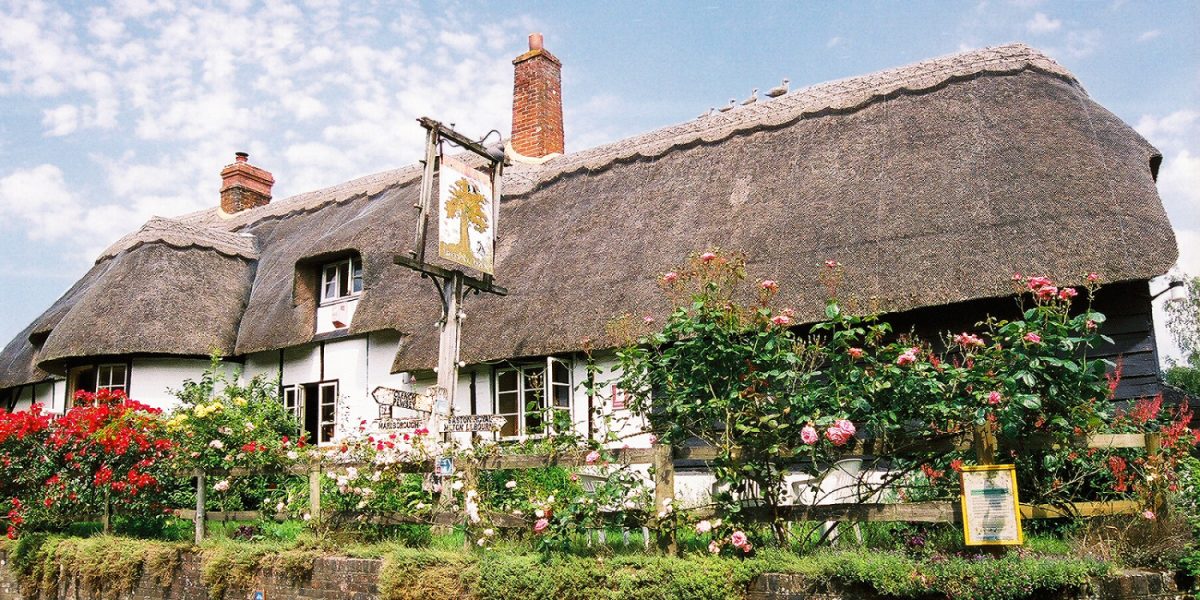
column 991, row 511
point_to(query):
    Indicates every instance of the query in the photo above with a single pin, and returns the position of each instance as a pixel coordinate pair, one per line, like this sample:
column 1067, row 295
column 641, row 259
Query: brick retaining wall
column 338, row 578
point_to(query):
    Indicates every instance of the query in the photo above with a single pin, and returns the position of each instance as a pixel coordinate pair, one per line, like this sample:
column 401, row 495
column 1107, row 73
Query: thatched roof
column 931, row 183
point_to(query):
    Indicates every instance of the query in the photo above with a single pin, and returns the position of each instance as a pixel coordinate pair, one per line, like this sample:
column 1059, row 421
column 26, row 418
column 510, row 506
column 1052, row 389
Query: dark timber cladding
column 932, row 183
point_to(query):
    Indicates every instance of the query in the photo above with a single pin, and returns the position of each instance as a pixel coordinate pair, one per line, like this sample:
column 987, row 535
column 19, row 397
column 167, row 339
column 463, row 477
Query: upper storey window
column 341, row 280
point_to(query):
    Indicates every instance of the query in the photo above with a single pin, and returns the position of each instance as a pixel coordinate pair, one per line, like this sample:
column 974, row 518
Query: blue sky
column 112, row 113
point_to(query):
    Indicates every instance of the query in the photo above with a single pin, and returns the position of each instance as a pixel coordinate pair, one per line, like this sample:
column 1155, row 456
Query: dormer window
column 341, row 280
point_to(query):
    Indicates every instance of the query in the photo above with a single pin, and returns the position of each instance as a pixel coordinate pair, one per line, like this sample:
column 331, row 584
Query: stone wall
column 332, row 579
column 355, row 579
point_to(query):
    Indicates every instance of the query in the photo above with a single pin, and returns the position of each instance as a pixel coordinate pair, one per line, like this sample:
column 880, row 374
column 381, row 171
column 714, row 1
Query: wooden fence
column 663, row 459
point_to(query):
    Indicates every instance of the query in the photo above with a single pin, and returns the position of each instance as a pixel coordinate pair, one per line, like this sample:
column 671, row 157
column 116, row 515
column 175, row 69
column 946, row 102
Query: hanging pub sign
column 466, row 216
column 990, row 508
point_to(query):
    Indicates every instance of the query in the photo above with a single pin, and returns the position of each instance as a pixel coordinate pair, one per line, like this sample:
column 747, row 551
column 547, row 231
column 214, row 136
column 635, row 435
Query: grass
column 442, row 568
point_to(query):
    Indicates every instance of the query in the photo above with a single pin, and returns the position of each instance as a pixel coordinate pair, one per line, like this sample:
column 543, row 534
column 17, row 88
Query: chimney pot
column 244, row 185
column 535, row 41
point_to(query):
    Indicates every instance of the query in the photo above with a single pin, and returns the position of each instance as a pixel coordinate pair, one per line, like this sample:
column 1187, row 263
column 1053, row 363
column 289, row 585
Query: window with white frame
column 528, row 396
column 341, row 280
column 315, row 406
column 94, row 378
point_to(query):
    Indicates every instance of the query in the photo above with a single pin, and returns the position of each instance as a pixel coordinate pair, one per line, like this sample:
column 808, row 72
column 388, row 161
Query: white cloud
column 1081, row 44
column 1149, row 35
column 60, row 120
column 833, row 41
column 38, row 202
column 1040, row 24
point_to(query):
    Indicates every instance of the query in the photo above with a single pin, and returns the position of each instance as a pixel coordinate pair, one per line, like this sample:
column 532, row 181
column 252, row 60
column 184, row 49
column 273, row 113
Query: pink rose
column 670, row 277
column 1046, row 293
column 809, row 435
column 703, row 527
column 1092, row 277
column 541, row 525
column 967, row 340
column 770, row 285
column 1091, row 324
column 837, row 435
column 855, row 353
column 1067, row 293
column 653, row 439
column 908, row 357
column 781, row 320
column 714, row 547
column 739, row 538
column 746, row 547
column 708, row 257
column 592, row 457
column 1148, row 515
column 1038, row 282
column 1033, row 338
column 845, row 425
column 994, row 398
column 832, row 264
column 1017, row 277
column 649, row 320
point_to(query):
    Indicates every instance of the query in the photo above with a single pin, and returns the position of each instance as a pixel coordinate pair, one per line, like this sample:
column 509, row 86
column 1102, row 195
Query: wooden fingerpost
column 664, row 490
column 198, row 519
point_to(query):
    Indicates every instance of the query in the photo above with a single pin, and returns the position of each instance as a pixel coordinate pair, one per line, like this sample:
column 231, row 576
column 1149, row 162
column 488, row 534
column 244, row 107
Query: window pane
column 330, row 286
column 533, row 422
column 507, row 403
column 510, row 426
column 562, row 396
column 343, row 279
column 560, row 373
column 358, row 276
column 103, row 377
column 118, row 376
column 507, row 381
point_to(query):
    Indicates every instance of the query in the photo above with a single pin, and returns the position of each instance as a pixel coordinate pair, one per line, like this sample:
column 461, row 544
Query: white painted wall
column 152, row 379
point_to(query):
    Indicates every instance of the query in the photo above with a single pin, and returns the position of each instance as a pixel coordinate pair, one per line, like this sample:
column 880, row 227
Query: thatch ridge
column 180, row 234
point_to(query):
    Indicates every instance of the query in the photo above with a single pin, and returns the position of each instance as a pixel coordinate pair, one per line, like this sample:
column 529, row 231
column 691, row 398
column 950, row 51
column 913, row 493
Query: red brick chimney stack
column 244, row 185
column 537, row 128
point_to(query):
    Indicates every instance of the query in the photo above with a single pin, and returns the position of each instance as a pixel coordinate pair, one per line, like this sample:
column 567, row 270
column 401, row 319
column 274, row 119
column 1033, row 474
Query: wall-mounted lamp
column 1176, row 290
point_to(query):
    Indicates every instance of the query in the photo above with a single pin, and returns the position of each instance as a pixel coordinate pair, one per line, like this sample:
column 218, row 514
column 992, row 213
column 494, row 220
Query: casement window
column 315, row 406
column 528, row 395
column 341, row 280
column 94, row 378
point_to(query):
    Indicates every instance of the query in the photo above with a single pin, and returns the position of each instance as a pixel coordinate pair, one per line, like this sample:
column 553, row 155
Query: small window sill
column 342, row 300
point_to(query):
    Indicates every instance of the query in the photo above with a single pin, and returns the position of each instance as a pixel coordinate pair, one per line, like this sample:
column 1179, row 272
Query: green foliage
column 104, row 566
column 1186, row 378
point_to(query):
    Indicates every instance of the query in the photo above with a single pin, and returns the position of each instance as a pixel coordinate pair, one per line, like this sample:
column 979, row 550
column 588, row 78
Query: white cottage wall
column 151, row 380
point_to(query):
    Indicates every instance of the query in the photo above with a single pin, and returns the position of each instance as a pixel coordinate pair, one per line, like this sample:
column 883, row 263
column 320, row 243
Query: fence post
column 198, row 519
column 664, row 490
column 1158, row 499
column 106, row 519
column 470, row 481
column 314, row 492
column 985, row 445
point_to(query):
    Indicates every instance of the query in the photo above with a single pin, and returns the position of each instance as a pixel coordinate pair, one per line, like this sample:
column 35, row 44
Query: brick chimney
column 244, row 185
column 537, row 128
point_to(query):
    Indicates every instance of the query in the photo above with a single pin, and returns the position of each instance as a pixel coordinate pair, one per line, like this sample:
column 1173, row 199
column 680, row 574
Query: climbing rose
column 592, row 457
column 541, row 525
column 222, row 485
column 1033, row 338
column 909, row 357
column 670, row 277
column 855, row 352
column 738, row 539
column 967, row 340
column 840, row 432
column 1148, row 515
column 832, row 264
column 703, row 527
column 510, row 484
column 1067, row 293
column 707, row 257
column 781, row 320
column 770, row 285
column 994, row 397
column 809, row 435
column 1092, row 277
column 714, row 547
column 845, row 425
column 649, row 320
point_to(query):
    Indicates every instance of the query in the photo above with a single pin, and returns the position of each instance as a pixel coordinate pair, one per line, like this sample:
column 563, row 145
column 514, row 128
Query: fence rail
column 663, row 459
